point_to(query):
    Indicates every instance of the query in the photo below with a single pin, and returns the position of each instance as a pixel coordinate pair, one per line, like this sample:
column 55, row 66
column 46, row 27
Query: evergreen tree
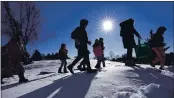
column 36, row 56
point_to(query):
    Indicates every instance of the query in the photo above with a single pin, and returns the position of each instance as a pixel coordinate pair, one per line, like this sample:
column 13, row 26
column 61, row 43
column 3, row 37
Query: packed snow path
column 113, row 81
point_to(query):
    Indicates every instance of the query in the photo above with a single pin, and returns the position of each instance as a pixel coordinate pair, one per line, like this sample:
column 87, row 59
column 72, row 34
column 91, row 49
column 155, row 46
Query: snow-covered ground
column 113, row 81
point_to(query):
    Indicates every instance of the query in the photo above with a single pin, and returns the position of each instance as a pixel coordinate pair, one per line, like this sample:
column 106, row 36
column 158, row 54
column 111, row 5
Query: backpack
column 74, row 35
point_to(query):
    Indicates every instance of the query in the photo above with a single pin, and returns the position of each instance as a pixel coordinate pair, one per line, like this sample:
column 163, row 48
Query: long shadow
column 75, row 86
column 151, row 75
column 16, row 84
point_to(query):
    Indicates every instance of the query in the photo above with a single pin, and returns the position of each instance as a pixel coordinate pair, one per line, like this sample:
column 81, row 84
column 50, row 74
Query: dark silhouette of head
column 127, row 23
column 96, row 42
column 161, row 30
column 131, row 20
column 63, row 46
column 83, row 23
column 101, row 39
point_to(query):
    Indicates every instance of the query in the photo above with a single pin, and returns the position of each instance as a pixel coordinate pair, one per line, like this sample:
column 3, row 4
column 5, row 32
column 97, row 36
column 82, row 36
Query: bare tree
column 112, row 55
column 21, row 19
column 117, row 56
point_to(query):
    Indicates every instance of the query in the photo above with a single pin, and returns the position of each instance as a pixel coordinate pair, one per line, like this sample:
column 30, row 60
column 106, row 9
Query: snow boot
column 104, row 65
column 130, row 63
column 70, row 68
column 22, row 79
column 84, row 68
column 2, row 82
column 65, row 70
column 97, row 66
column 59, row 71
column 151, row 64
column 161, row 68
column 133, row 63
column 80, row 68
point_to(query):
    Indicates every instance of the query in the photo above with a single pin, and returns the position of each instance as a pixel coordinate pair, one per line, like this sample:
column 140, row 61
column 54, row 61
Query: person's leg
column 129, row 57
column 162, row 57
column 20, row 72
column 60, row 68
column 103, row 61
column 65, row 69
column 76, row 61
column 82, row 67
column 78, row 58
column 157, row 59
column 98, row 63
column 81, row 63
column 87, row 62
column 129, row 52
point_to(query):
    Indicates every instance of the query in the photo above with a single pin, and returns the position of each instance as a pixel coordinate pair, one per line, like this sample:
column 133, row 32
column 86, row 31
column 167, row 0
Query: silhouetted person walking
column 127, row 33
column 103, row 48
column 81, row 38
column 157, row 44
column 63, row 56
column 98, row 52
column 12, row 54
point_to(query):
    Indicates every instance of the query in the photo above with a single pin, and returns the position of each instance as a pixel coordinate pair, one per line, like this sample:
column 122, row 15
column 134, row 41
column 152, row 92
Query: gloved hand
column 89, row 42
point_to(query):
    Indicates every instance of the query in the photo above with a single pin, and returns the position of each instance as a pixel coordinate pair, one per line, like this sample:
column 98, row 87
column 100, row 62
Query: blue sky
column 58, row 19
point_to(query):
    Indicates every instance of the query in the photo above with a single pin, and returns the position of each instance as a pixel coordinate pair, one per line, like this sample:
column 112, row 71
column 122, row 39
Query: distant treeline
column 37, row 56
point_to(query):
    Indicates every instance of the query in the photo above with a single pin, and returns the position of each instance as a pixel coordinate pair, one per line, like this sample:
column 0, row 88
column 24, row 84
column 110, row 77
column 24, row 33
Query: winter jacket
column 127, row 33
column 102, row 45
column 127, row 30
column 12, row 54
column 63, row 54
column 80, row 37
column 157, row 40
column 98, row 51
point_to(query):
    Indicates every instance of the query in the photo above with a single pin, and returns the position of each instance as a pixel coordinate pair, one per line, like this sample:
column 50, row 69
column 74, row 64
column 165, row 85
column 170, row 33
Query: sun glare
column 107, row 25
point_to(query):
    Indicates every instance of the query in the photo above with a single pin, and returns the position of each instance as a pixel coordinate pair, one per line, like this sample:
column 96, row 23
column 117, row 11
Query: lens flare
column 107, row 25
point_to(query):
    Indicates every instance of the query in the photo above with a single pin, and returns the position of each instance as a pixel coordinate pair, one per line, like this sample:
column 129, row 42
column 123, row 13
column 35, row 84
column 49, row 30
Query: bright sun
column 107, row 25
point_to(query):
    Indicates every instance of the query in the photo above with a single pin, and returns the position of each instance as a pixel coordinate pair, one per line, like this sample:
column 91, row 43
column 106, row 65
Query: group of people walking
column 156, row 43
column 80, row 37
column 127, row 32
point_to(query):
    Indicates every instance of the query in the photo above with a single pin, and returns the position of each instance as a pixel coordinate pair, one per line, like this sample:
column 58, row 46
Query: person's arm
column 86, row 38
column 136, row 33
column 94, row 50
column 66, row 51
